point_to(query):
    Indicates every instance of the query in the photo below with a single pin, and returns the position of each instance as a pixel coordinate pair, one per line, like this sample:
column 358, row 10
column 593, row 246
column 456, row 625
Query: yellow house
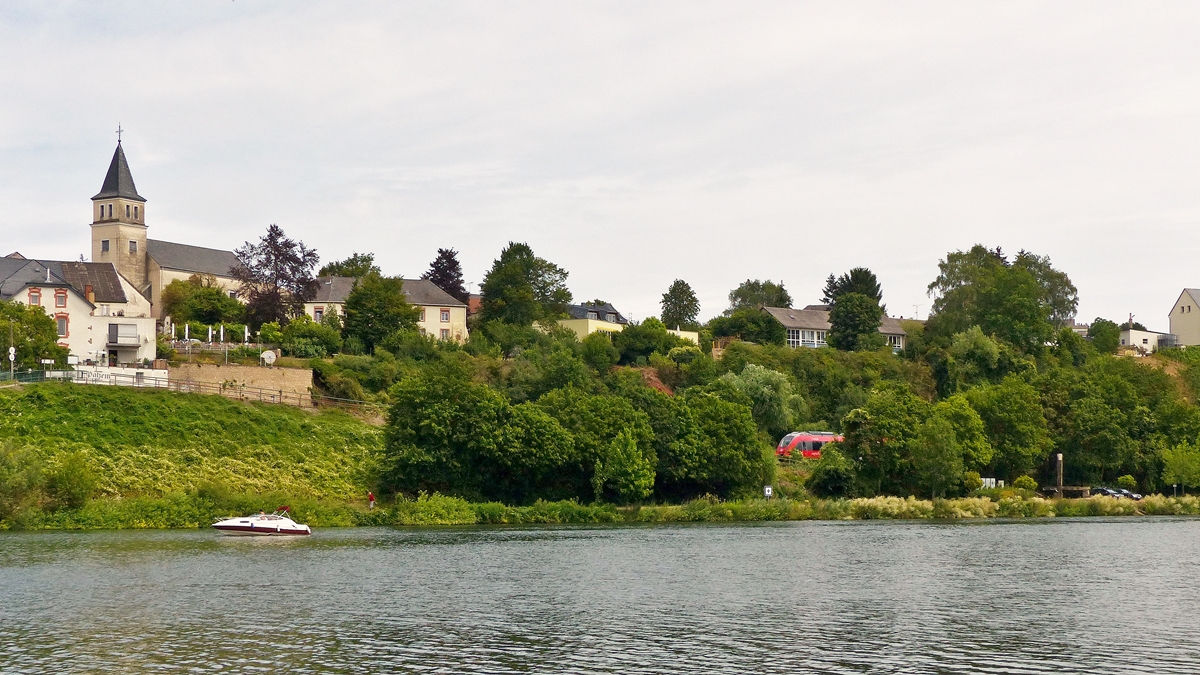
column 588, row 318
column 441, row 315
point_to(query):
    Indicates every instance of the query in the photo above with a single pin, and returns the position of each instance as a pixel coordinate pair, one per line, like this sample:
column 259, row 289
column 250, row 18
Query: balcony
column 123, row 335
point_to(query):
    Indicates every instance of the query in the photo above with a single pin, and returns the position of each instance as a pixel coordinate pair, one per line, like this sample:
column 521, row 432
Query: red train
column 807, row 442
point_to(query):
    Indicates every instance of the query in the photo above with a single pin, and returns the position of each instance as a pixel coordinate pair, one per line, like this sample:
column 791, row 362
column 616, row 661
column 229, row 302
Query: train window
column 817, row 445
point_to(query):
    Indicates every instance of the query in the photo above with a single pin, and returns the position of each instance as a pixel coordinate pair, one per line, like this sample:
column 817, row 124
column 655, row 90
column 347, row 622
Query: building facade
column 100, row 316
column 1185, row 318
column 809, row 327
column 440, row 314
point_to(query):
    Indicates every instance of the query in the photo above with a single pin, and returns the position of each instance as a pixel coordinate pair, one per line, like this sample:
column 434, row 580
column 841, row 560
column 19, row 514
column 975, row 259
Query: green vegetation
column 201, row 301
column 32, row 332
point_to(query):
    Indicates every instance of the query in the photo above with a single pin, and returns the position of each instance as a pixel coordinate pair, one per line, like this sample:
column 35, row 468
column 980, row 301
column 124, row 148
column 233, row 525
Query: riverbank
column 200, row 509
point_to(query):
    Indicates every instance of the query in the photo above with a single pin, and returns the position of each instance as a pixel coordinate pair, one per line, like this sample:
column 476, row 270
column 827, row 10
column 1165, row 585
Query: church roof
column 119, row 182
column 186, row 258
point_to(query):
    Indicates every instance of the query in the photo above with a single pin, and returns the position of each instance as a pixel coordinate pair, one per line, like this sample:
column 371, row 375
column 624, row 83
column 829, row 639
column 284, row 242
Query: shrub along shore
column 198, row 510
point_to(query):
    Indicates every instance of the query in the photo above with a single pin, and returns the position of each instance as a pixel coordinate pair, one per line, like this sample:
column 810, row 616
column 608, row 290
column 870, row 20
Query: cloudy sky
column 632, row 143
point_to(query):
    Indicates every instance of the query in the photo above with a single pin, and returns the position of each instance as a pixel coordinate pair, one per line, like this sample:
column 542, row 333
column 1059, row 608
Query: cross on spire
column 119, row 130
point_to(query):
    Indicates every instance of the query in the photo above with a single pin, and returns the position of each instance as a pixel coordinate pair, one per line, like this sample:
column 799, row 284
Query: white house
column 100, row 316
column 1145, row 341
column 809, row 327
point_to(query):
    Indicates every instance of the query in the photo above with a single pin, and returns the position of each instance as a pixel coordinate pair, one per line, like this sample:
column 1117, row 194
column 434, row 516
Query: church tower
column 119, row 223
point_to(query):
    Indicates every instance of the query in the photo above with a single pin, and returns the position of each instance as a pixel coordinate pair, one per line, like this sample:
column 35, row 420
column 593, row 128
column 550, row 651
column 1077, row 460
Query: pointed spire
column 119, row 182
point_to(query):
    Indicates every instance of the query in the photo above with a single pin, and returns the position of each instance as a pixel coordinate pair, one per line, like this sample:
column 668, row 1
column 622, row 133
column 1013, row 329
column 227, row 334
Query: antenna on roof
column 119, row 130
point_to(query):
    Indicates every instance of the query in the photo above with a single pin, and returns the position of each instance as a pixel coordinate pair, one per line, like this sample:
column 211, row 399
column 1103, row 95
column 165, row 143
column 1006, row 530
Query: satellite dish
column 268, row 357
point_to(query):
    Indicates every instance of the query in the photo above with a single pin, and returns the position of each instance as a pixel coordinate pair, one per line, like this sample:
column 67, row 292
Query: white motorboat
column 262, row 525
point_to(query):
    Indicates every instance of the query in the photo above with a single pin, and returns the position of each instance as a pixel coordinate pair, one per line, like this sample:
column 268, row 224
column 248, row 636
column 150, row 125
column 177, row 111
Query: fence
column 233, row 391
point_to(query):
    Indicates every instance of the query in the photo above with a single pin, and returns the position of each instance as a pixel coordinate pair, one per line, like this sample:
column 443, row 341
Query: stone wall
column 290, row 385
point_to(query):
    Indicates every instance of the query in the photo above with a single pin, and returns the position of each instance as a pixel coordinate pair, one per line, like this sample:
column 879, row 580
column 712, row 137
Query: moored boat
column 262, row 525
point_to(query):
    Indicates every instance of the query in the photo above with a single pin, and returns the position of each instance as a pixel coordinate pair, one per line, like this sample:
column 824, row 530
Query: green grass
column 148, row 443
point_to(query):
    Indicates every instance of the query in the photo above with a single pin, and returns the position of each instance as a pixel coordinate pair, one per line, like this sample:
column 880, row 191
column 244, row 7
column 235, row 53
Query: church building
column 119, row 237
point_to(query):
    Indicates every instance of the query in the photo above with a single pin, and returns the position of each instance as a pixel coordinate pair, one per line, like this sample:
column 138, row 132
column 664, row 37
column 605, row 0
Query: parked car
column 808, row 443
column 1130, row 495
column 1106, row 492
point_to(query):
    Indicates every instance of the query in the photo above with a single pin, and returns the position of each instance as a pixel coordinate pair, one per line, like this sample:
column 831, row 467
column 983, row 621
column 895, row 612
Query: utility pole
column 12, row 351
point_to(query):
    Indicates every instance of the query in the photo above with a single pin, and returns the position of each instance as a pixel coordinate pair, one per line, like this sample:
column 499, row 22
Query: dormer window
column 611, row 318
column 593, row 315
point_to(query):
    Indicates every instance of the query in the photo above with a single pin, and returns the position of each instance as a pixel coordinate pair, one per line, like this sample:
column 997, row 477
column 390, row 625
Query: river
column 1093, row 595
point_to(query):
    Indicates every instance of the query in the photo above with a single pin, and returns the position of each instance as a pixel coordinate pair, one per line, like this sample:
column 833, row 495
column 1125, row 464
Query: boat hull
column 260, row 531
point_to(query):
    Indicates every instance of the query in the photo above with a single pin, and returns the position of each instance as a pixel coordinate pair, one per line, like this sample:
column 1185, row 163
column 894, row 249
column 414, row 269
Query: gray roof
column 186, row 258
column 818, row 319
column 1194, row 293
column 119, row 182
column 102, row 277
column 581, row 311
column 16, row 274
column 417, row 291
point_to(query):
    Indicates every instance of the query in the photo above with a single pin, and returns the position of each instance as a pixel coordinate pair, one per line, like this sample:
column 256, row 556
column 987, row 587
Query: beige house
column 809, row 327
column 100, row 316
column 441, row 315
column 119, row 237
column 1185, row 317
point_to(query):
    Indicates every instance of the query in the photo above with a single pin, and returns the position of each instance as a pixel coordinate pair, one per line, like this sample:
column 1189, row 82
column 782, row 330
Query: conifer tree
column 446, row 273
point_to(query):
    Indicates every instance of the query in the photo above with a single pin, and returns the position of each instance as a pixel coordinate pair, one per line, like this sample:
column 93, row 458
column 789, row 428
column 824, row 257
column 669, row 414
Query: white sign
column 767, row 491
column 12, row 353
column 268, row 357
column 47, row 362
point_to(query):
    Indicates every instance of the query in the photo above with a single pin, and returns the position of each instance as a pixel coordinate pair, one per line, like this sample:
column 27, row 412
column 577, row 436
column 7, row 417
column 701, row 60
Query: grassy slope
column 148, row 443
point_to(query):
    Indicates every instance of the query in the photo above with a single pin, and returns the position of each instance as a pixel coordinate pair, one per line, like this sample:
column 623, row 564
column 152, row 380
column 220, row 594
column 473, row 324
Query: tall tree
column 275, row 277
column 1105, row 335
column 679, row 305
column 376, row 308
column 755, row 293
column 357, row 265
column 1015, row 301
column 199, row 299
column 446, row 273
column 522, row 288
column 854, row 323
column 858, row 280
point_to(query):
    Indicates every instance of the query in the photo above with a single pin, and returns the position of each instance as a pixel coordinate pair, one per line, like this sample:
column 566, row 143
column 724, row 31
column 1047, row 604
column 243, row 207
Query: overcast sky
column 631, row 143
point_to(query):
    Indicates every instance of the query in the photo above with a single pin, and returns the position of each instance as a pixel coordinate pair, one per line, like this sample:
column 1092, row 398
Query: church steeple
column 119, row 181
column 119, row 222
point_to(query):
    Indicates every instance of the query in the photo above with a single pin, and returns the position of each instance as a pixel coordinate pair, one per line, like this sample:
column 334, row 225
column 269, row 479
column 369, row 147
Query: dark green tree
column 749, row 324
column 858, row 280
column 376, row 308
column 680, row 308
column 522, row 288
column 1015, row 424
column 446, row 273
column 754, row 294
column 33, row 333
column 599, row 352
column 937, row 457
column 201, row 300
column 639, row 340
column 357, row 265
column 275, row 277
column 854, row 323
column 833, row 477
column 1105, row 335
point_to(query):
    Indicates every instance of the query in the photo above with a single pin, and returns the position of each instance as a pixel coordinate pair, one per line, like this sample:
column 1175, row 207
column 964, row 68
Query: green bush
column 71, row 481
column 20, row 479
column 833, row 476
column 1127, row 482
column 1025, row 483
column 972, row 481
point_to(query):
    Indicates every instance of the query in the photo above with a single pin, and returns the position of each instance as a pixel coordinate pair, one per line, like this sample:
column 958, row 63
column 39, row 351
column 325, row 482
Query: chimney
column 90, row 293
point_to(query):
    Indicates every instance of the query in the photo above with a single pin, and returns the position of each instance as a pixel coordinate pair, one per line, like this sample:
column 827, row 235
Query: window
column 611, row 318
column 60, row 298
column 445, row 316
column 1145, row 341
column 135, row 213
column 35, row 298
column 62, row 326
column 103, row 310
column 104, row 248
column 110, row 210
column 318, row 314
column 894, row 341
column 233, row 294
column 808, row 337
column 793, row 337
column 820, row 337
column 133, row 247
column 445, row 333
column 126, row 210
column 593, row 315
column 422, row 318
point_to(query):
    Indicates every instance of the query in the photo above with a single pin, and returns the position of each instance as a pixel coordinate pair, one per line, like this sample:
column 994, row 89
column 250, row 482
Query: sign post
column 12, row 360
column 767, row 491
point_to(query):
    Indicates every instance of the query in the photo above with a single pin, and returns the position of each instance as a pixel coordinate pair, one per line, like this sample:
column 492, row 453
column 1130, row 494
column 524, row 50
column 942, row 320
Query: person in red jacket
column 370, row 499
